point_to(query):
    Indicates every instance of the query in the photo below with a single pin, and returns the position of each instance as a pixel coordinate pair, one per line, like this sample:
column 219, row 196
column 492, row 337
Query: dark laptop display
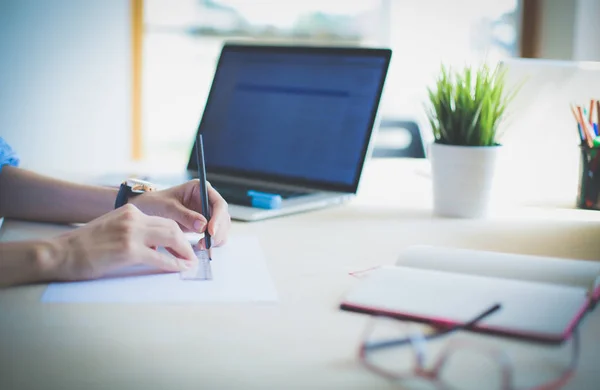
column 293, row 115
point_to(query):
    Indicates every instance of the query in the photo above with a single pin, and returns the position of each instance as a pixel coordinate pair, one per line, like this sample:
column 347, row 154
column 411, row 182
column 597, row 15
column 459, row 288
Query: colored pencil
column 589, row 137
column 598, row 113
column 579, row 128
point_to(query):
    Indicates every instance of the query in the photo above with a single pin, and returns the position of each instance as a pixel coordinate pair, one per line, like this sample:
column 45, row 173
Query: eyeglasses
column 381, row 352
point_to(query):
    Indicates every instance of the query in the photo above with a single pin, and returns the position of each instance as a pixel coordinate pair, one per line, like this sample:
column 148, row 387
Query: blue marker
column 261, row 200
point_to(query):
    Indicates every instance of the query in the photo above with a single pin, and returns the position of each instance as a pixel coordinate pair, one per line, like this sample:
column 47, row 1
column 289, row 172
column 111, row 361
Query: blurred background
column 98, row 86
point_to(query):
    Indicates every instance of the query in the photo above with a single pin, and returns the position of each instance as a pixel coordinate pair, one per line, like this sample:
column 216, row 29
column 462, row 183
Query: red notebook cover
column 530, row 310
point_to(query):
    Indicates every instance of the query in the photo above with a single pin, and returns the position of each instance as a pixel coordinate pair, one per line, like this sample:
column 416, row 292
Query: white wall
column 587, row 31
column 557, row 28
column 65, row 83
column 570, row 29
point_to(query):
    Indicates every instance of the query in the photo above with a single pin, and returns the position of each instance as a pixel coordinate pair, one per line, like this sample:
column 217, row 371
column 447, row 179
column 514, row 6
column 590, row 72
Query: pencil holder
column 589, row 179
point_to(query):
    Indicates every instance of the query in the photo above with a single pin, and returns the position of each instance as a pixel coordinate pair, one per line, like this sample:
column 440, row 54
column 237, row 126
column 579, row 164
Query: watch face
column 137, row 185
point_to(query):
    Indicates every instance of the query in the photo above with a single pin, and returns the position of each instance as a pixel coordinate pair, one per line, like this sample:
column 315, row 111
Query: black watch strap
column 123, row 195
column 127, row 190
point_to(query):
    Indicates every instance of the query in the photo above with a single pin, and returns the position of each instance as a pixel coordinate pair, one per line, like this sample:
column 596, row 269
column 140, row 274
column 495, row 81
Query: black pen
column 203, row 191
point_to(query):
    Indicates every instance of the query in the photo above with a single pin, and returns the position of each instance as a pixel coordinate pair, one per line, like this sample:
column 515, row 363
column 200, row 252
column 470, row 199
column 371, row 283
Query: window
column 425, row 32
column 183, row 38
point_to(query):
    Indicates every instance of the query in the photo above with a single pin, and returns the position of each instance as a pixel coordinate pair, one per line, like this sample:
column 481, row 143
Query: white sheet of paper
column 239, row 270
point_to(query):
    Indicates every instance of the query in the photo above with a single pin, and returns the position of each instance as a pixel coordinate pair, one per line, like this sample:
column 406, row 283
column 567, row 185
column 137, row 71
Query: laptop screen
column 293, row 115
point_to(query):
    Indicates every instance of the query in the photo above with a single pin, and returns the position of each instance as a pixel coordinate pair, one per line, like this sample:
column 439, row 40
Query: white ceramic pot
column 462, row 179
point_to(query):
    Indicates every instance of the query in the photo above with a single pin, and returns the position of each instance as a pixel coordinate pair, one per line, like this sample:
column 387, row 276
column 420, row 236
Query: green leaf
column 466, row 105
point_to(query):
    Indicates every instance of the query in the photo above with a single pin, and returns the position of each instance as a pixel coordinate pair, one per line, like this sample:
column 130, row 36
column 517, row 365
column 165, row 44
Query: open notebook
column 542, row 298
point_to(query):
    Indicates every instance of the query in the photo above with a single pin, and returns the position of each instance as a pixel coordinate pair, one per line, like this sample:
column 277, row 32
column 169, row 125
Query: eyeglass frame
column 433, row 374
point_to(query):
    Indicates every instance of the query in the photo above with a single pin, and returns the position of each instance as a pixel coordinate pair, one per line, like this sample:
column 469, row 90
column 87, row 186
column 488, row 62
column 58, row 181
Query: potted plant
column 465, row 109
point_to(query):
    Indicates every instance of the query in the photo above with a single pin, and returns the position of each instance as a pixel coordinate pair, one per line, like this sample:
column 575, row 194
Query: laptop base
column 293, row 206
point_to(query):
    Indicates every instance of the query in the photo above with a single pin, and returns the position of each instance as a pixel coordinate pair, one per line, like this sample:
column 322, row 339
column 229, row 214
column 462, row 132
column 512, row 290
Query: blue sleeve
column 7, row 155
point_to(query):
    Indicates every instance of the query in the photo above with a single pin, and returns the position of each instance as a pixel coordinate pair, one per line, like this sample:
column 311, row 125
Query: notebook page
column 536, row 310
column 570, row 272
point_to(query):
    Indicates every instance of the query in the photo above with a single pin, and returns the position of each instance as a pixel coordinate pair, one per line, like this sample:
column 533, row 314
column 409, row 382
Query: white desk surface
column 303, row 341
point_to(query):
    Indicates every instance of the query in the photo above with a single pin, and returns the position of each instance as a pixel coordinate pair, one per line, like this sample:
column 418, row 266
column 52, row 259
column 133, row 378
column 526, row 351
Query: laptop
column 295, row 121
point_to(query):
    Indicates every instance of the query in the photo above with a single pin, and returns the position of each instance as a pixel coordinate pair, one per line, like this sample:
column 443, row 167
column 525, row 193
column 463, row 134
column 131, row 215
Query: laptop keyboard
column 225, row 188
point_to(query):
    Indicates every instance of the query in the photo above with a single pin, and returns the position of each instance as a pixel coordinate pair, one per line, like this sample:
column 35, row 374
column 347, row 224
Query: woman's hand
column 182, row 204
column 120, row 238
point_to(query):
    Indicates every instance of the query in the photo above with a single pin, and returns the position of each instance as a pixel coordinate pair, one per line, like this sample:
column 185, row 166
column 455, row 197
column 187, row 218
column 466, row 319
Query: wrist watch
column 132, row 187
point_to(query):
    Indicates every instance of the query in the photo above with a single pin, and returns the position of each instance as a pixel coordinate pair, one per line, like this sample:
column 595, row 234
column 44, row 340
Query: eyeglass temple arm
column 409, row 340
column 468, row 324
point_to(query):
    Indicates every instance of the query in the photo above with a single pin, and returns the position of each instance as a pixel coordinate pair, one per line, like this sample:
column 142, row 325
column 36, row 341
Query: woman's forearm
column 28, row 262
column 30, row 196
